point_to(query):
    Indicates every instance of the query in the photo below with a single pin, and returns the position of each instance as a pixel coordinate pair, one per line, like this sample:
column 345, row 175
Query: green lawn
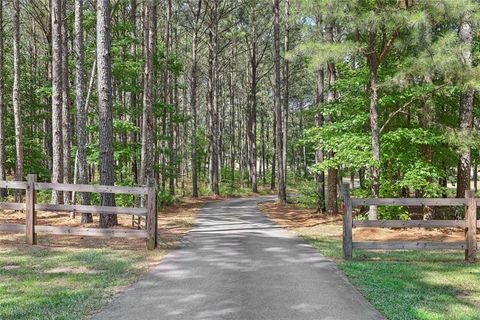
column 411, row 285
column 48, row 283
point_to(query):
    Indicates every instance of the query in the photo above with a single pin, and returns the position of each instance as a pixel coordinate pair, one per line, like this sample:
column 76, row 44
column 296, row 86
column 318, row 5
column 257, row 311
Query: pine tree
column 105, row 108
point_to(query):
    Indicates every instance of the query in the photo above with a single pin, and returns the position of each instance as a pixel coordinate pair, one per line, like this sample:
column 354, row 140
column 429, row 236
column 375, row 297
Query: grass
column 423, row 285
column 72, row 277
column 60, row 283
column 411, row 284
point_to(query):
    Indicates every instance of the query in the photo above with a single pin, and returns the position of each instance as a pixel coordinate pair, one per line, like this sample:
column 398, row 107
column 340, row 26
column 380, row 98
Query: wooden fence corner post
column 347, row 222
column 152, row 212
column 30, row 214
column 471, row 222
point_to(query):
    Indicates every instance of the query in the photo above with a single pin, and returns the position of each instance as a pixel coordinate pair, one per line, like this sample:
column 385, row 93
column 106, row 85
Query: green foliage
column 308, row 195
column 420, row 79
column 393, row 213
column 165, row 198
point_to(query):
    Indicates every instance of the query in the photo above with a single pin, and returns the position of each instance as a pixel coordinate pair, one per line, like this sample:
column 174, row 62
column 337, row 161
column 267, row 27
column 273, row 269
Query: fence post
column 30, row 214
column 471, row 231
column 152, row 221
column 347, row 222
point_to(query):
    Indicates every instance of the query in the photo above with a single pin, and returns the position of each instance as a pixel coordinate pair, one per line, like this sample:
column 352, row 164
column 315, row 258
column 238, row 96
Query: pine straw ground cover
column 70, row 277
column 401, row 285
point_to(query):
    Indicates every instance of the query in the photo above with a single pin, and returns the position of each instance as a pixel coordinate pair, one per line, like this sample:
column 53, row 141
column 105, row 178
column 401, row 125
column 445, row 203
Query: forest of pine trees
column 204, row 96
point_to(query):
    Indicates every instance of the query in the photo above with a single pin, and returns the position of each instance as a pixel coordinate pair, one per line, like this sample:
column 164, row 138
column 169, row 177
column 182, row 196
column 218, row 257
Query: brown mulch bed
column 310, row 222
column 173, row 221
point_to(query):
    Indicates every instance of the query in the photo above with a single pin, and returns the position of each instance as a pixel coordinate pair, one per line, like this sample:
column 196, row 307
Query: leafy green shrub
column 308, row 196
column 393, row 213
column 124, row 200
column 165, row 198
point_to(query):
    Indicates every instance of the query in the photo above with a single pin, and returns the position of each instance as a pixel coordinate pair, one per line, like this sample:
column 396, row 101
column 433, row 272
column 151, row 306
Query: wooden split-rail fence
column 469, row 224
column 31, row 228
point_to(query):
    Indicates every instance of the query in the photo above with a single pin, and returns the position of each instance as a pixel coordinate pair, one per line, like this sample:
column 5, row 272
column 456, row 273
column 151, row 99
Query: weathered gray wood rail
column 470, row 224
column 30, row 228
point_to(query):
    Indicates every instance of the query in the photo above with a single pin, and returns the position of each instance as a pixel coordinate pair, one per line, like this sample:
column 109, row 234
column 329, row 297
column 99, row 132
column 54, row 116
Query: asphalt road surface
column 238, row 264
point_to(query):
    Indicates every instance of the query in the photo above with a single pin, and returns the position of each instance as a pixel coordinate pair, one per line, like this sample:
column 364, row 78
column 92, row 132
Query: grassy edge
column 403, row 285
column 48, row 282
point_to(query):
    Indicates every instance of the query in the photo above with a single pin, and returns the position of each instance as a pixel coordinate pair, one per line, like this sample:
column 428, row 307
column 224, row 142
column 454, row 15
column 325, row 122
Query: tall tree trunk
column 319, row 154
column 148, row 149
column 193, row 105
column 231, row 86
column 132, row 96
column 3, row 176
column 57, row 145
column 286, row 92
column 105, row 106
column 331, row 97
column 375, row 170
column 252, row 109
column 282, row 192
column 373, row 64
column 66, row 121
column 426, row 149
column 16, row 96
column 262, row 130
column 172, row 100
column 466, row 111
column 80, row 104
column 213, row 98
column 274, row 154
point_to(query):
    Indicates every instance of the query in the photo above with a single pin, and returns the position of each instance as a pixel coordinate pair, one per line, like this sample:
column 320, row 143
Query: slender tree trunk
column 172, row 85
column 282, row 192
column 66, row 143
column 286, row 87
column 3, row 175
column 232, row 80
column 213, row 98
column 427, row 151
column 331, row 97
column 57, row 145
column 274, row 154
column 263, row 167
column 16, row 97
column 148, row 149
column 105, row 106
column 193, row 105
column 252, row 111
column 80, row 104
column 466, row 112
column 373, row 64
column 319, row 154
column 375, row 170
column 131, row 97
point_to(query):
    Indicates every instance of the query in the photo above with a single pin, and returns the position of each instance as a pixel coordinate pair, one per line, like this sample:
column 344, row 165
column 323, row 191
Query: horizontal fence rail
column 13, row 185
column 409, row 224
column 61, row 230
column 30, row 228
column 409, row 245
column 91, row 188
column 91, row 209
column 470, row 224
column 409, row 202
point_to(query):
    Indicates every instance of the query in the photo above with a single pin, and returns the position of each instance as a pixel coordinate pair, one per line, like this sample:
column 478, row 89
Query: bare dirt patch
column 83, row 270
column 10, row 267
column 310, row 222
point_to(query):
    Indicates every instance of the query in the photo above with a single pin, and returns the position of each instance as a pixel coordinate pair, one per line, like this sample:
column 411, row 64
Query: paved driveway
column 238, row 264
